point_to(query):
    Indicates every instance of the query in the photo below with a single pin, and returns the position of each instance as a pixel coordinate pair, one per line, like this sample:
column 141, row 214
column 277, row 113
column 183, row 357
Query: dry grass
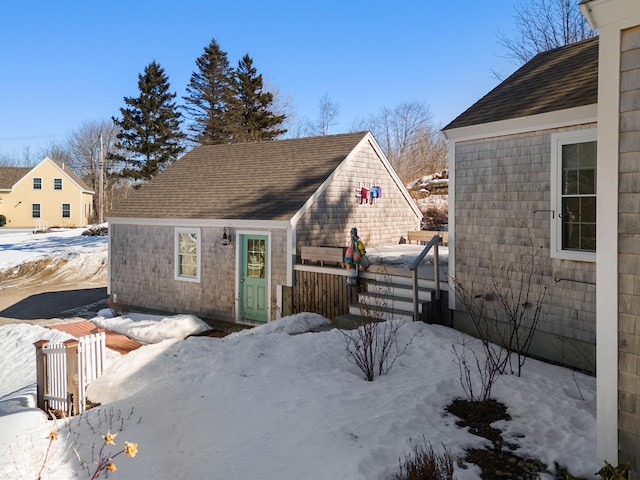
column 423, row 463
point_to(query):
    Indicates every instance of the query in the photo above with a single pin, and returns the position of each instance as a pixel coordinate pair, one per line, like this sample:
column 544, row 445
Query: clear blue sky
column 66, row 62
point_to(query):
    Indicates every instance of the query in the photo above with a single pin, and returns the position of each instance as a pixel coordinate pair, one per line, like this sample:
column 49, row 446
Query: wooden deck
column 115, row 341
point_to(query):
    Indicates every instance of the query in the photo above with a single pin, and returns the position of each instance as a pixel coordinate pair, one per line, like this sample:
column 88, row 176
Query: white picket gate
column 65, row 369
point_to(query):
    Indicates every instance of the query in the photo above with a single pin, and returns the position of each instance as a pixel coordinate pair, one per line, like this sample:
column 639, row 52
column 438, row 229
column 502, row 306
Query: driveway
column 47, row 303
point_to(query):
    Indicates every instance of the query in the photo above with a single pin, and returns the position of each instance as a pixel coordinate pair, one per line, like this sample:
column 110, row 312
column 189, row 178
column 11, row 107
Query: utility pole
column 101, row 181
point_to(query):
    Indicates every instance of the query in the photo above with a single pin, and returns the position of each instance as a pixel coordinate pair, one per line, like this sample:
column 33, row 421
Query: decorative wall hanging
column 367, row 192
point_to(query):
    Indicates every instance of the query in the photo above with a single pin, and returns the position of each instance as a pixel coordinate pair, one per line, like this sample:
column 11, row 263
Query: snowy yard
column 277, row 401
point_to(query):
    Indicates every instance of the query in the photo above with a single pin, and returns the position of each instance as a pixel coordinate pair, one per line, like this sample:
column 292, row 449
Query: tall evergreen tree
column 150, row 137
column 256, row 119
column 211, row 98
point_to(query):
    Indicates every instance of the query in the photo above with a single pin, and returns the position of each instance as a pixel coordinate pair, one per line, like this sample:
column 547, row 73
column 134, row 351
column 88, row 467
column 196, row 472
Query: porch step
column 402, row 278
column 387, row 302
column 400, row 291
column 389, row 294
column 381, row 312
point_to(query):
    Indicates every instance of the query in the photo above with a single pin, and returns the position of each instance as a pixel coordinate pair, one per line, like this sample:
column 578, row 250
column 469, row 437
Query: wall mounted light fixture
column 225, row 237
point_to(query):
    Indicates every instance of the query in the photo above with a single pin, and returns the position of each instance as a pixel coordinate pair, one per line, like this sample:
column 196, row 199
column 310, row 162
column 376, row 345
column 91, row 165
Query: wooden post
column 41, row 373
column 73, row 390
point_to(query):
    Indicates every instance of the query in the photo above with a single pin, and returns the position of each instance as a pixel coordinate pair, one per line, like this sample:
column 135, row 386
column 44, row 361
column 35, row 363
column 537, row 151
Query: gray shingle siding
column 142, row 252
column 502, row 203
column 629, row 250
column 142, row 271
column 331, row 217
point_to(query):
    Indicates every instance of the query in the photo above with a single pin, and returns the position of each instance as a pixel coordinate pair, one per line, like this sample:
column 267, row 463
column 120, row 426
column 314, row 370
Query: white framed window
column 66, row 210
column 35, row 210
column 57, row 184
column 187, row 254
column 37, row 183
column 573, row 195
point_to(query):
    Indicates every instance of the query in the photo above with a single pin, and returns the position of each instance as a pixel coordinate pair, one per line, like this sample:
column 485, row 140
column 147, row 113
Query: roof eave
column 198, row 222
column 557, row 119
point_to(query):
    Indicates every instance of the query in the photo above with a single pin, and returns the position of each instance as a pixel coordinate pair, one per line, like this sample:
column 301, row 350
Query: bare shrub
column 515, row 313
column 506, row 332
column 521, row 307
column 469, row 362
column 373, row 346
column 423, row 463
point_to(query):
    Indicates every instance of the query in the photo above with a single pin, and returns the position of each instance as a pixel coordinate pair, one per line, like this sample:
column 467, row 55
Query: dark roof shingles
column 9, row 176
column 268, row 180
column 557, row 79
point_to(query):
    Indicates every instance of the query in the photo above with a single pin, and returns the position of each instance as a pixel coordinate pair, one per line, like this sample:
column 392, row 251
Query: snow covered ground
column 277, row 401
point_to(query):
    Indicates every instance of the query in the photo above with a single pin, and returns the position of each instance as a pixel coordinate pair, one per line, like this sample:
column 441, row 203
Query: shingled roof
column 9, row 176
column 268, row 180
column 557, row 79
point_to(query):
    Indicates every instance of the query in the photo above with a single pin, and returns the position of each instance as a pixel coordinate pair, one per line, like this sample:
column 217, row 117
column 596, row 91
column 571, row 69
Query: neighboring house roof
column 9, row 176
column 269, row 180
column 81, row 183
column 557, row 79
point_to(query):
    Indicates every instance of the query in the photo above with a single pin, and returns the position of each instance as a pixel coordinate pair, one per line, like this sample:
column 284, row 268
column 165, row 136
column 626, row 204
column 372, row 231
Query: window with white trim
column 57, row 184
column 37, row 183
column 66, row 210
column 187, row 254
column 573, row 195
column 35, row 210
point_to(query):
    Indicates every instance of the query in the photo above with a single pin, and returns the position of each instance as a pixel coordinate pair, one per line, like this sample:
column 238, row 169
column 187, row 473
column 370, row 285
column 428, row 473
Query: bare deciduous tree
column 84, row 153
column 542, row 25
column 329, row 110
column 303, row 127
column 56, row 151
column 409, row 138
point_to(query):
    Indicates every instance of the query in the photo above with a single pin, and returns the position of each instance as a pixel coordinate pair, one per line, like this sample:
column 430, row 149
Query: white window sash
column 189, row 261
column 557, row 141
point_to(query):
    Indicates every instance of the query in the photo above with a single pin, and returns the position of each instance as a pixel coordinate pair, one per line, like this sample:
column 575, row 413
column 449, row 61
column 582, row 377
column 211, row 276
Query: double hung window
column 187, row 254
column 573, row 190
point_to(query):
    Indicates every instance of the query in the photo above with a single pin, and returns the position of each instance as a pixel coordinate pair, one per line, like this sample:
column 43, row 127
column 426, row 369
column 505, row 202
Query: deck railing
column 433, row 243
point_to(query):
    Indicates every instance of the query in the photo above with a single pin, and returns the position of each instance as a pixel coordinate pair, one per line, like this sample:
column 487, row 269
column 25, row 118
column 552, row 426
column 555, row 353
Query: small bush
column 373, row 347
column 423, row 463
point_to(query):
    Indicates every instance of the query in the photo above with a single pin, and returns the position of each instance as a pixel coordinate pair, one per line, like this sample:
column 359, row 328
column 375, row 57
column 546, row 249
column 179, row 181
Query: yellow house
column 47, row 195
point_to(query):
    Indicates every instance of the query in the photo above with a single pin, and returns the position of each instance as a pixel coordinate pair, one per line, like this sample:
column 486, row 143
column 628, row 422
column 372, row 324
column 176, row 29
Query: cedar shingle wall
column 142, row 271
column 329, row 221
column 629, row 250
column 500, row 183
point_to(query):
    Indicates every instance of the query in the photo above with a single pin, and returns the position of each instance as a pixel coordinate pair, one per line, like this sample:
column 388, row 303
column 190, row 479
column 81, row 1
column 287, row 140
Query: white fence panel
column 58, row 378
column 56, row 386
column 91, row 352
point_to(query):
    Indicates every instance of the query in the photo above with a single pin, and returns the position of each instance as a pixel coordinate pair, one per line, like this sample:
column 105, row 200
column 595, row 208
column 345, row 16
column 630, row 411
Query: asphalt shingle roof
column 9, row 176
column 557, row 79
column 268, row 180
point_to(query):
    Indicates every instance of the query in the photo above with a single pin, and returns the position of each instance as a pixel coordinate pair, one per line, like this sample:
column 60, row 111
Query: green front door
column 254, row 279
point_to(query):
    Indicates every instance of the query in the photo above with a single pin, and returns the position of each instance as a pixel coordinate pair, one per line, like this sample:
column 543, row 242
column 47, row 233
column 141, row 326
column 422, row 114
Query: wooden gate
column 64, row 370
column 321, row 290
